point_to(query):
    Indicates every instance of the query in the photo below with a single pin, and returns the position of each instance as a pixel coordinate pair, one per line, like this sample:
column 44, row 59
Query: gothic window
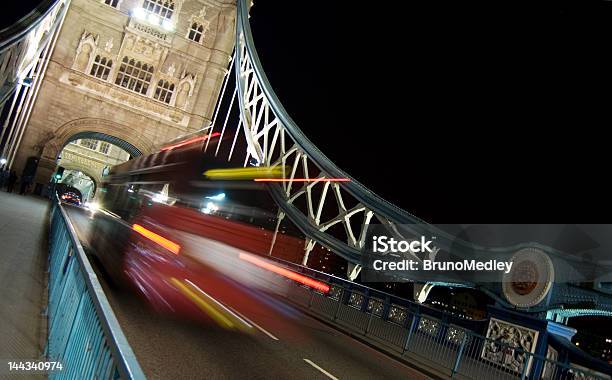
column 104, row 147
column 134, row 75
column 90, row 144
column 164, row 91
column 101, row 67
column 196, row 31
column 163, row 8
column 112, row 3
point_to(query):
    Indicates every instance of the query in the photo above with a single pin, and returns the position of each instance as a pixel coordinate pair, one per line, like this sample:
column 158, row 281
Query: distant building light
column 160, row 198
column 167, row 24
column 153, row 18
column 210, row 208
column 218, row 197
column 139, row 13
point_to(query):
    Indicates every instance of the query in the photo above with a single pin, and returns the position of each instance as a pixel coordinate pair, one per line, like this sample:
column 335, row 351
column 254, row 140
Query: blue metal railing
column 84, row 334
column 430, row 339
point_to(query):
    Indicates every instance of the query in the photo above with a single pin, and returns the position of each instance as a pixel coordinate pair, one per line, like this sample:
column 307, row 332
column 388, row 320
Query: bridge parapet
column 504, row 346
column 84, row 334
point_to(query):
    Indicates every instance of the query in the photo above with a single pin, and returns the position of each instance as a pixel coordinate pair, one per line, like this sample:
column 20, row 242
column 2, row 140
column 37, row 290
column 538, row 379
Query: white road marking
column 258, row 326
column 235, row 313
column 220, row 304
column 321, row 369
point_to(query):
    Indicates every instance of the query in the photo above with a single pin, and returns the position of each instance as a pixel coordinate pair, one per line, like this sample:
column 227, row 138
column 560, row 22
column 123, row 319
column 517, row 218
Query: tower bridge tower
column 137, row 72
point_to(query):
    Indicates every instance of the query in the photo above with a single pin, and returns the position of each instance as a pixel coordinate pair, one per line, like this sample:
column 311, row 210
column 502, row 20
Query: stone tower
column 140, row 72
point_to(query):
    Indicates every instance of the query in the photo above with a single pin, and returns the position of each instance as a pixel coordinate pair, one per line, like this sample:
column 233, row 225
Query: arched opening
column 112, row 140
column 83, row 182
column 129, row 139
column 86, row 157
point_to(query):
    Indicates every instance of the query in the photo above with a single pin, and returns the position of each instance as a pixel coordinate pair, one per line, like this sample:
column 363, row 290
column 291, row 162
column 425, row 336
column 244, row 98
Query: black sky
column 13, row 11
column 458, row 112
column 464, row 112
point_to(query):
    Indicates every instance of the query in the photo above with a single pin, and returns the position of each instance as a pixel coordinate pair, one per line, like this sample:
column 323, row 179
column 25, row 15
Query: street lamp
column 2, row 161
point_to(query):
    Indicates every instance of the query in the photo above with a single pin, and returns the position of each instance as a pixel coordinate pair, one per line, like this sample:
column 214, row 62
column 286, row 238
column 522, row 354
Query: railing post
column 411, row 329
column 339, row 303
column 525, row 365
column 459, row 355
column 311, row 298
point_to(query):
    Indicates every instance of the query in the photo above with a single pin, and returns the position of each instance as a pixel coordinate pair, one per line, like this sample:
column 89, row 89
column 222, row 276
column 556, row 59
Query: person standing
column 12, row 179
column 25, row 184
column 3, row 176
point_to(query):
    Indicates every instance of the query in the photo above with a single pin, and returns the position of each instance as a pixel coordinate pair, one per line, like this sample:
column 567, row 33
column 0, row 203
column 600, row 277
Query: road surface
column 286, row 344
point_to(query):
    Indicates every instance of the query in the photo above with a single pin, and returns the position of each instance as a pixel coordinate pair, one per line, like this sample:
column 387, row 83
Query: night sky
column 13, row 10
column 458, row 112
column 470, row 112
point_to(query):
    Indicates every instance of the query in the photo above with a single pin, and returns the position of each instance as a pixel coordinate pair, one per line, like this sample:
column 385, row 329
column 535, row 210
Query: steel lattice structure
column 337, row 214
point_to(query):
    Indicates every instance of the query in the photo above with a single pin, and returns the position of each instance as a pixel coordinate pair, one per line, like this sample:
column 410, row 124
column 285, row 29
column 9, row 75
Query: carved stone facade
column 509, row 345
column 91, row 157
column 131, row 73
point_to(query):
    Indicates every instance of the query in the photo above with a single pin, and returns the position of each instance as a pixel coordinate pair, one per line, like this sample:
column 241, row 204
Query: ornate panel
column 455, row 334
column 335, row 292
column 548, row 371
column 119, row 95
column 509, row 345
column 429, row 326
column 376, row 306
column 356, row 300
column 398, row 315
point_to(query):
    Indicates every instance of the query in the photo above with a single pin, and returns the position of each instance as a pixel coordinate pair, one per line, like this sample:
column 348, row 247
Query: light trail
column 302, row 180
column 168, row 244
column 321, row 286
column 191, row 141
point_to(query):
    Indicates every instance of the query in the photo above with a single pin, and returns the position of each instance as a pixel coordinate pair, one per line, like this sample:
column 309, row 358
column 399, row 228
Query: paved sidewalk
column 23, row 246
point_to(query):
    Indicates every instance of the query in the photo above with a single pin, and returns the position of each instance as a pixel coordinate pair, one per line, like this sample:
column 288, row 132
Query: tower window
column 164, row 91
column 163, row 8
column 112, row 3
column 89, row 144
column 196, row 32
column 101, row 67
column 134, row 75
column 104, row 147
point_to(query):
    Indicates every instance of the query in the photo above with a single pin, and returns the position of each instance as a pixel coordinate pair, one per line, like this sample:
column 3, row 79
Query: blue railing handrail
column 391, row 298
column 473, row 337
column 127, row 363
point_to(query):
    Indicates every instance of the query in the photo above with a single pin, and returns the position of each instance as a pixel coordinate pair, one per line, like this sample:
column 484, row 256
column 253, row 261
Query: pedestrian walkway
column 23, row 253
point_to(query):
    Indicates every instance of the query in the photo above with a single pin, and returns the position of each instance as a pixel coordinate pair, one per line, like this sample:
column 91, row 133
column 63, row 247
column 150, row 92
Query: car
column 71, row 197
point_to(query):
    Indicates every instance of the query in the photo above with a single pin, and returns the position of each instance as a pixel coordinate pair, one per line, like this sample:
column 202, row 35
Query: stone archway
column 86, row 173
column 96, row 178
column 128, row 138
column 131, row 149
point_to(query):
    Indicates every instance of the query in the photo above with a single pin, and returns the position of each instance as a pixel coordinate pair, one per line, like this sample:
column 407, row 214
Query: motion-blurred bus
column 161, row 219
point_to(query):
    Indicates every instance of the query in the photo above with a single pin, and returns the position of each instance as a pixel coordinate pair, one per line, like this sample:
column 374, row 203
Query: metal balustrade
column 325, row 203
column 84, row 334
column 413, row 333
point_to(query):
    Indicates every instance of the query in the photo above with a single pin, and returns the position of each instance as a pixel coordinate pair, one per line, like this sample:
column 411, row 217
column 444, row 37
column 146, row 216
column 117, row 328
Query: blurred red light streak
column 302, row 180
column 286, row 273
column 194, row 140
